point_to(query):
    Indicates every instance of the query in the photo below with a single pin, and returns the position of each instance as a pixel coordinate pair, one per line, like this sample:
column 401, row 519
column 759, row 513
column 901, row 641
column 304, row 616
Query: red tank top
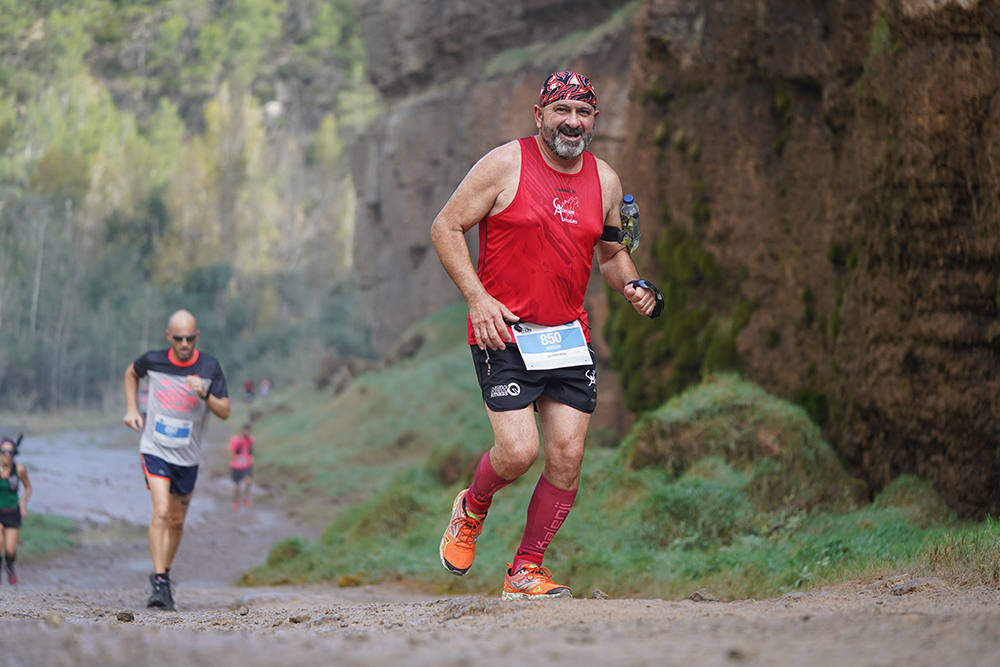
column 535, row 256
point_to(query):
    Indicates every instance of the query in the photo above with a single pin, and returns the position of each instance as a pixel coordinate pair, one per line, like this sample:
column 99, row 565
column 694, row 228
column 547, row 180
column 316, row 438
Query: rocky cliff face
column 838, row 159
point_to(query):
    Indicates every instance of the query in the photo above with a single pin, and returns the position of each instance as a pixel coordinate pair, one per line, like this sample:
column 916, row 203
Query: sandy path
column 87, row 608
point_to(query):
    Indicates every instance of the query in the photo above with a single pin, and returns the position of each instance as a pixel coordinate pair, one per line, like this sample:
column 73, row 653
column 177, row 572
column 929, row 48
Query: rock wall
column 845, row 157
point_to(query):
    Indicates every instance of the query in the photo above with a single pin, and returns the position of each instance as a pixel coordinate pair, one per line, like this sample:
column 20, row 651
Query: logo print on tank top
column 566, row 208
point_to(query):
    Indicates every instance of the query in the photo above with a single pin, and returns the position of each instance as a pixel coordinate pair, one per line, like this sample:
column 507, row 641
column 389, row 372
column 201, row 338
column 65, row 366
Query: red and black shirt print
column 175, row 415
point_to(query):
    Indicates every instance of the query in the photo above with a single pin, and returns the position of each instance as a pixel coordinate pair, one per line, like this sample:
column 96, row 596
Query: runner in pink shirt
column 241, row 466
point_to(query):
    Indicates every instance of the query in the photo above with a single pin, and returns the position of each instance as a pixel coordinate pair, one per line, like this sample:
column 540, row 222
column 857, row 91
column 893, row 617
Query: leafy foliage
column 147, row 164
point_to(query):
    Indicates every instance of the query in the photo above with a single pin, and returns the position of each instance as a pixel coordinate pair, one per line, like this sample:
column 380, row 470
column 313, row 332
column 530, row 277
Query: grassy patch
column 320, row 454
column 562, row 50
column 45, row 534
column 970, row 555
column 724, row 487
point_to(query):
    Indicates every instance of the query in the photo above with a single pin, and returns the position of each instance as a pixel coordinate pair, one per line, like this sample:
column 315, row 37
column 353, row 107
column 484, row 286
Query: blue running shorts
column 182, row 478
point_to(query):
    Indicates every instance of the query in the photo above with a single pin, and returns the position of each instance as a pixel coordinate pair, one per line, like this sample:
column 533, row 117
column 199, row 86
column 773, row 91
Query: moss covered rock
column 786, row 462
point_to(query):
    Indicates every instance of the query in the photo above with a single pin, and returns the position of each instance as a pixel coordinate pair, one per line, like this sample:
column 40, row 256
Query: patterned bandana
column 567, row 86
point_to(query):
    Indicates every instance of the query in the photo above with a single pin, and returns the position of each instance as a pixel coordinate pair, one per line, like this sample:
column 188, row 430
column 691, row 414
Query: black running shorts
column 10, row 518
column 508, row 385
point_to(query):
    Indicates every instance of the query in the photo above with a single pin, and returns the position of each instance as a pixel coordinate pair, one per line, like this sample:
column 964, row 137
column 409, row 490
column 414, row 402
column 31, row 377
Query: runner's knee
column 161, row 514
column 513, row 459
column 563, row 462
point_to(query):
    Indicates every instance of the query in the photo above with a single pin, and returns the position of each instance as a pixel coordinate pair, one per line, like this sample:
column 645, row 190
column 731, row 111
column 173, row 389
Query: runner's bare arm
column 218, row 406
column 487, row 189
column 132, row 418
column 22, row 472
column 614, row 260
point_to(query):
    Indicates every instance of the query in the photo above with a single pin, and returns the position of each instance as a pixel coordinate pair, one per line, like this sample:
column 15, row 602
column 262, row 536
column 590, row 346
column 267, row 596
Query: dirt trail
column 86, row 608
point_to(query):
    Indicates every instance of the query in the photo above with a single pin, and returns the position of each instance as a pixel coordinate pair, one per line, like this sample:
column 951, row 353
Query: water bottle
column 629, row 213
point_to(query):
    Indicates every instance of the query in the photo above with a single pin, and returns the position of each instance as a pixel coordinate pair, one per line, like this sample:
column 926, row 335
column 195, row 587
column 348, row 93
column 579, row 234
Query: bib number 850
column 553, row 338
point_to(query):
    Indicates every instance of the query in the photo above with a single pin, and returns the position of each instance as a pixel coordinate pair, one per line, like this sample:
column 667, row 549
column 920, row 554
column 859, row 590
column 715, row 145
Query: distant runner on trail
column 185, row 384
column 13, row 505
column 241, row 467
column 542, row 205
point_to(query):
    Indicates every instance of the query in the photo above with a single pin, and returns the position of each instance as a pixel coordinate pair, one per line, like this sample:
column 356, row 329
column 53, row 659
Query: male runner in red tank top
column 541, row 204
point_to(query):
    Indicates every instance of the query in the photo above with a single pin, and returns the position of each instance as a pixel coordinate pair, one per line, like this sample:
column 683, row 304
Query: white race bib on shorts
column 545, row 347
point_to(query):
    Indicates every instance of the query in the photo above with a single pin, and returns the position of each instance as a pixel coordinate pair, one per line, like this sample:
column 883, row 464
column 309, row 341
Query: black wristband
column 658, row 308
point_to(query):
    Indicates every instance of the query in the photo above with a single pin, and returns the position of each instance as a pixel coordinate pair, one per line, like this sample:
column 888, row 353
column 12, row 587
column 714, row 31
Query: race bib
column 545, row 347
column 170, row 432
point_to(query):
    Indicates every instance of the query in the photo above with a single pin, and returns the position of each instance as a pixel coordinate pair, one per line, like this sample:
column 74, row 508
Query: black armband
column 612, row 234
column 658, row 308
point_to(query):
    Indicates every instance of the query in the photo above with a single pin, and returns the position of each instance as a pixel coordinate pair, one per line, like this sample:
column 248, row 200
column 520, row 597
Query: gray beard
column 558, row 145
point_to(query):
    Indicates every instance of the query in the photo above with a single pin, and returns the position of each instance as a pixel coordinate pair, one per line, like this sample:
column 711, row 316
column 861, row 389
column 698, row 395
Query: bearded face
column 566, row 142
column 567, row 128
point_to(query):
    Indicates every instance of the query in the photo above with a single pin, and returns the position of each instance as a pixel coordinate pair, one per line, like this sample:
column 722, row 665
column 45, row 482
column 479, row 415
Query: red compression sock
column 547, row 510
column 485, row 483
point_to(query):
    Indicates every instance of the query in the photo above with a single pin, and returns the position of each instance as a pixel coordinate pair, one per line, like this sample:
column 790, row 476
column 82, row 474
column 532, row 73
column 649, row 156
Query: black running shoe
column 161, row 597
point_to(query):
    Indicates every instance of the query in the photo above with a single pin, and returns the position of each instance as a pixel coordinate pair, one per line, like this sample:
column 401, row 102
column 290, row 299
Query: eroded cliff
column 840, row 162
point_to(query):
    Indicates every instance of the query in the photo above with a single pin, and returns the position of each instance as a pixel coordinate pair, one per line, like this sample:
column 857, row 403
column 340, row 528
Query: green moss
column 808, row 307
column 697, row 513
column 658, row 94
column 881, row 37
column 837, row 254
column 815, row 403
column 843, row 262
column 285, row 550
column 660, row 358
column 783, row 112
column 699, row 204
column 680, row 141
column 775, row 444
column 918, row 497
column 742, row 314
column 834, row 324
column 661, row 135
column 569, row 46
column 721, row 353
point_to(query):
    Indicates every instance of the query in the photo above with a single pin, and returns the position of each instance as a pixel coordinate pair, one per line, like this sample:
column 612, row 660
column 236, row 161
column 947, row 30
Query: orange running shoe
column 458, row 546
column 532, row 582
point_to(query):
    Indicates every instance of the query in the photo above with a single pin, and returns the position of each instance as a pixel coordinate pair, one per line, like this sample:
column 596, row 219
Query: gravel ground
column 87, row 608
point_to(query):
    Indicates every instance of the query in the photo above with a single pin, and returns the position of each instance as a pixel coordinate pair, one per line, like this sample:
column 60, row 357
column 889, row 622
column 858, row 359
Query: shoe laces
column 536, row 572
column 467, row 528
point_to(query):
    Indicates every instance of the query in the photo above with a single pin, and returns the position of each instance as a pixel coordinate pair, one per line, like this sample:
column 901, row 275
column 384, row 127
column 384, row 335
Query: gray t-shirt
column 175, row 415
